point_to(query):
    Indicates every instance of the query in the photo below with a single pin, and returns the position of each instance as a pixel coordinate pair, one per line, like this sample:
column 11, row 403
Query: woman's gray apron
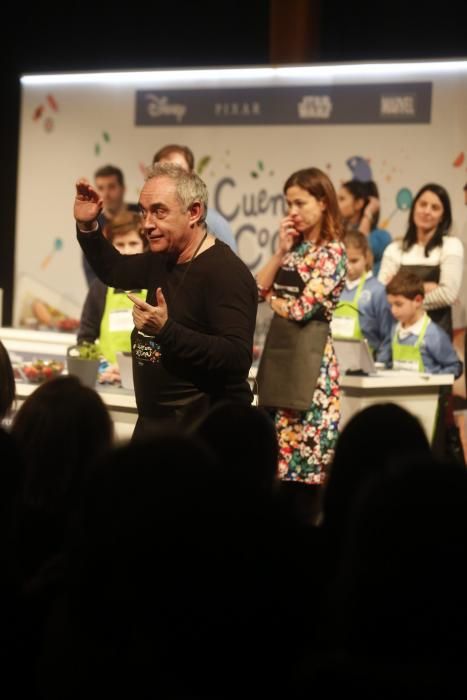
column 290, row 363
column 291, row 360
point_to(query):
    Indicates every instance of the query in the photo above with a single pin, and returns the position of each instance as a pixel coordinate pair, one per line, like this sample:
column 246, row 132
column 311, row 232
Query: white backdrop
column 69, row 130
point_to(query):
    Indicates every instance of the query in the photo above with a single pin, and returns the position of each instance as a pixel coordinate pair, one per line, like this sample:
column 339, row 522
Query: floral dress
column 307, row 438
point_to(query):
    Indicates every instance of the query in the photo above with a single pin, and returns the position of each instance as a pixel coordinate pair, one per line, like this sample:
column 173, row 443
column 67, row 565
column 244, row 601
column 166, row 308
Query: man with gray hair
column 193, row 336
column 183, row 157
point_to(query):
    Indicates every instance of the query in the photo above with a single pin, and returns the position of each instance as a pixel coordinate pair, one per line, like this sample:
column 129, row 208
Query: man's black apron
column 165, row 395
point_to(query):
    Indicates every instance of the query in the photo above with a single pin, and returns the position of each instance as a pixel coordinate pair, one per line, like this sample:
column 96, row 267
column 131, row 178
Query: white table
column 417, row 393
column 40, row 343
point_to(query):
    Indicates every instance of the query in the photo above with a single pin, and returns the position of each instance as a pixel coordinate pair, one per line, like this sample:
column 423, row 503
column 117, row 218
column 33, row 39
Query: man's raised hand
column 88, row 205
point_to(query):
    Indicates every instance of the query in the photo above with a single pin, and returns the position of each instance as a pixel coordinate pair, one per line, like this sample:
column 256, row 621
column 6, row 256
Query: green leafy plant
column 85, row 351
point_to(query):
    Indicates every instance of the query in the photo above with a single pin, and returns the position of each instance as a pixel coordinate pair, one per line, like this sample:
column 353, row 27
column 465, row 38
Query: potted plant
column 83, row 361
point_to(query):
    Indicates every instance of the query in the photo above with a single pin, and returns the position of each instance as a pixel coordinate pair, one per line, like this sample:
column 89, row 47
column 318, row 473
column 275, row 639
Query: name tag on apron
column 121, row 320
column 406, row 365
column 146, row 349
column 343, row 327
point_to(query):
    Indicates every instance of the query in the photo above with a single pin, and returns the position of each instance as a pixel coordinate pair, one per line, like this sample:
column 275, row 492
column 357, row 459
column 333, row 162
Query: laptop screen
column 354, row 356
column 125, row 365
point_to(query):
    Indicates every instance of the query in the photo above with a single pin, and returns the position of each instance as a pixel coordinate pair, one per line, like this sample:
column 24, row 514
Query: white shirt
column 449, row 257
column 351, row 284
column 414, row 329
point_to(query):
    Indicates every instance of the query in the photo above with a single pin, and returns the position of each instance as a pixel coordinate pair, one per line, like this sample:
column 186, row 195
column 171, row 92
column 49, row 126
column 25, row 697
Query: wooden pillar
column 294, row 27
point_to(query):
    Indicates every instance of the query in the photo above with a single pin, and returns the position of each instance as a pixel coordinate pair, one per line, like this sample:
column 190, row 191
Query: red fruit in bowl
column 31, row 373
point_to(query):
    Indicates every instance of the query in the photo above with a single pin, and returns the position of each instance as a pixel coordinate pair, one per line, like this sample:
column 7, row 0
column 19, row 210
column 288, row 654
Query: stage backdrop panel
column 249, row 129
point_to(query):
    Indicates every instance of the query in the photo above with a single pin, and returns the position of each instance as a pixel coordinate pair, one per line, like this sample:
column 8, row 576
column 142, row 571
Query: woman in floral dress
column 302, row 282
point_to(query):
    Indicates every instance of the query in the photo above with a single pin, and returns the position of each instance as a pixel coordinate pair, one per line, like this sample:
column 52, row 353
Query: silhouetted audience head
column 144, row 493
column 397, row 611
column 10, row 474
column 404, row 566
column 149, row 497
column 245, row 442
column 62, row 428
column 371, row 438
column 7, row 382
column 168, row 590
column 144, row 566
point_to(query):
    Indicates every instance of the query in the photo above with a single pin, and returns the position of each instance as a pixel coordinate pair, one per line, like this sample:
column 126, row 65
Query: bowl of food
column 41, row 370
column 67, row 324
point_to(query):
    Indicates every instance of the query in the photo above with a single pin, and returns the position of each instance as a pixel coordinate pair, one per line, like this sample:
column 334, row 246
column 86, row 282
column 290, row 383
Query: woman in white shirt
column 430, row 253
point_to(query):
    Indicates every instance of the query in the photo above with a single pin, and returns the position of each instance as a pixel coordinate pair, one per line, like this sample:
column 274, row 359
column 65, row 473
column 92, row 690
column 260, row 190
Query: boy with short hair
column 418, row 344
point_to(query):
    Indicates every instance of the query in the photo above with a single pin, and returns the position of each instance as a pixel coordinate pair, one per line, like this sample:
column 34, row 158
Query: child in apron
column 418, row 344
column 359, row 209
column 107, row 312
column 363, row 310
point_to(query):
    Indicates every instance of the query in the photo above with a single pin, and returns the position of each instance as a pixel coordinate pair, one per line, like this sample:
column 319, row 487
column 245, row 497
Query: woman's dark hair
column 62, row 430
column 7, row 382
column 360, row 189
column 320, row 186
column 443, row 227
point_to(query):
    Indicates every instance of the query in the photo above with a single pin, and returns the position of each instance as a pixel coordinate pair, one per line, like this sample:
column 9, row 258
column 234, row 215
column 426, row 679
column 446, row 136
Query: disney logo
column 161, row 107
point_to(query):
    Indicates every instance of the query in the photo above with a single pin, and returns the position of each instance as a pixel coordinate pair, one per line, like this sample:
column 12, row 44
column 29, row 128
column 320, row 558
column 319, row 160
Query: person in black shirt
column 110, row 184
column 193, row 337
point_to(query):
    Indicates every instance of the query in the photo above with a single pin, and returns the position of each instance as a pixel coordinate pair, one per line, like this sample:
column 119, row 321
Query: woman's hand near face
column 369, row 216
column 287, row 235
column 372, row 208
column 285, row 240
